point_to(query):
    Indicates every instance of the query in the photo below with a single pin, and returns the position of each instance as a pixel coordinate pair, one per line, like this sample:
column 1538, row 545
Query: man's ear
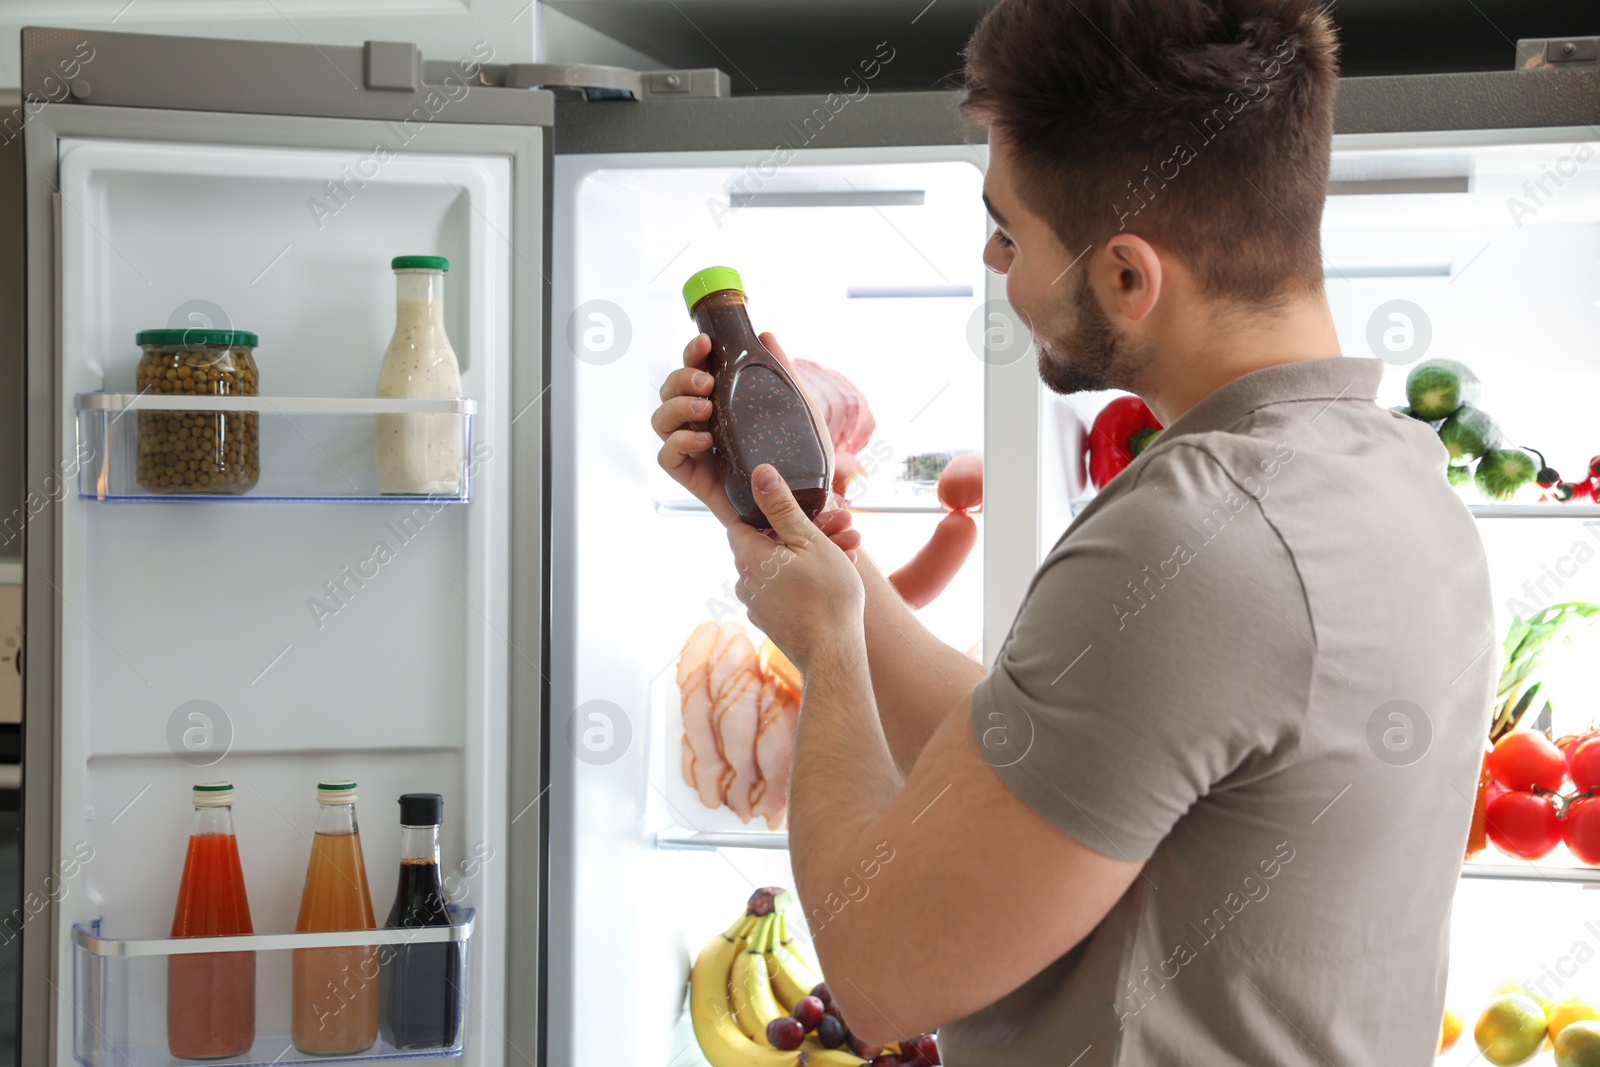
column 1138, row 275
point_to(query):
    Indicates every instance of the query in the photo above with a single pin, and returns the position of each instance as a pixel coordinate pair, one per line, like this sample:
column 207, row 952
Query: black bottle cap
column 421, row 809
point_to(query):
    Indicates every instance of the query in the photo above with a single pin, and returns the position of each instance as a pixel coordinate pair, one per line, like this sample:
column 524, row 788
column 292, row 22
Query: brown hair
column 1204, row 126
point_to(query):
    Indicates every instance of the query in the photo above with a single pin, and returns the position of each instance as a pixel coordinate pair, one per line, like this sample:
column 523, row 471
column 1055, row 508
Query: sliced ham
column 695, row 699
column 821, row 387
column 774, row 746
column 738, row 718
column 739, row 712
column 850, row 407
column 861, row 432
column 844, row 409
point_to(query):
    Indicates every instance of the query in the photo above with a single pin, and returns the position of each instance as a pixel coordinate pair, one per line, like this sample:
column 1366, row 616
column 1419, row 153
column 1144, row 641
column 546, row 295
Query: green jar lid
column 419, row 263
column 710, row 280
column 195, row 336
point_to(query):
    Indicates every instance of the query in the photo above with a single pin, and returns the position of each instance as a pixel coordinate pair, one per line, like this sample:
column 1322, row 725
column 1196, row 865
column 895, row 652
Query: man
column 1210, row 804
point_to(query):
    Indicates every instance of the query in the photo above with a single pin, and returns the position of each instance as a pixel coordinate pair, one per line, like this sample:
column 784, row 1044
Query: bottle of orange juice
column 335, row 990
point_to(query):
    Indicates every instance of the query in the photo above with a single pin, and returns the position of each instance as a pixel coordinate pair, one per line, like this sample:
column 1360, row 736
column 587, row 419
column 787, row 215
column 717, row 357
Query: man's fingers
column 847, row 540
column 696, row 351
column 687, row 381
column 676, row 413
column 679, row 445
column 778, row 504
column 834, row 521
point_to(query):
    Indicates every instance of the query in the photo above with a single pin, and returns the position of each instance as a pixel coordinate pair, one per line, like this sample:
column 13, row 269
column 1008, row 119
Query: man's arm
column 917, row 679
column 900, row 883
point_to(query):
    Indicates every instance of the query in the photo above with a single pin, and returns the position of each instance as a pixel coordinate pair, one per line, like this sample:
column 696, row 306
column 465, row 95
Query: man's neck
column 1229, row 345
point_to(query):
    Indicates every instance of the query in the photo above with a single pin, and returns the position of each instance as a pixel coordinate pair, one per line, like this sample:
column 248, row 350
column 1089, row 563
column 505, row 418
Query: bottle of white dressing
column 419, row 454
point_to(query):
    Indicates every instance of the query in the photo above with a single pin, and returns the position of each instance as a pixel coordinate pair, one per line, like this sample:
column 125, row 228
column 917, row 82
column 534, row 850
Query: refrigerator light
column 1398, row 186
column 880, row 292
column 845, row 198
column 1426, row 268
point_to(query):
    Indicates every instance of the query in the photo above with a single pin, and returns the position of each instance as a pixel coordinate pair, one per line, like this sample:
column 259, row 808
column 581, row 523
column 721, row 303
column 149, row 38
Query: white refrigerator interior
column 864, row 261
column 306, row 650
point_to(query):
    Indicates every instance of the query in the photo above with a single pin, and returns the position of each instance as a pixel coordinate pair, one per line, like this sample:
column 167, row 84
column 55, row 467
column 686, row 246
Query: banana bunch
column 745, row 978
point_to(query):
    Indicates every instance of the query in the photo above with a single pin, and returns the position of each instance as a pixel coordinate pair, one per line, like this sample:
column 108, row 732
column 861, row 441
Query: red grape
column 820, row 991
column 785, row 1034
column 809, row 1011
column 866, row 1050
column 921, row 1051
column 831, row 1031
column 888, row 1059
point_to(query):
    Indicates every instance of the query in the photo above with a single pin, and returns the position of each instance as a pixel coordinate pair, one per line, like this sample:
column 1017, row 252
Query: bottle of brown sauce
column 759, row 413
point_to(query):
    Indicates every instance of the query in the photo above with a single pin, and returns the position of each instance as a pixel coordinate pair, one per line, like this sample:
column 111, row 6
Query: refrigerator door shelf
column 87, row 937
column 310, row 448
column 120, row 989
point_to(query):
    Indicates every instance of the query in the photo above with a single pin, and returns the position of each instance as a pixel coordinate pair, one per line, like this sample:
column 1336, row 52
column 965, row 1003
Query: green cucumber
column 1502, row 472
column 1437, row 387
column 1468, row 433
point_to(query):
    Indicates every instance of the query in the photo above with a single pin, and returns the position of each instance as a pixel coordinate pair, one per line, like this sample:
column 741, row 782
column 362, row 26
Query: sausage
column 961, row 482
column 930, row 570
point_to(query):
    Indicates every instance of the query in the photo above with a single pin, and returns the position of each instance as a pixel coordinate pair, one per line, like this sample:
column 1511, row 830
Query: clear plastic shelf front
column 156, row 447
column 121, row 992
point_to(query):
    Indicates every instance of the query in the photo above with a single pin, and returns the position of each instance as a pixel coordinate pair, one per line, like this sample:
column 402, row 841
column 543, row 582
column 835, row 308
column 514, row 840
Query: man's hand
column 802, row 589
column 680, row 422
column 685, row 453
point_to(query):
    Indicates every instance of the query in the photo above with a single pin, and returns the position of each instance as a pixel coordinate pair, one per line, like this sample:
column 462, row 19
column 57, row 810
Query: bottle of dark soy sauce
column 419, row 986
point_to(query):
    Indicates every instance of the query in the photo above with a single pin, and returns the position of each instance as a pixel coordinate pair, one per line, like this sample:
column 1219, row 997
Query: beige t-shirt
column 1262, row 662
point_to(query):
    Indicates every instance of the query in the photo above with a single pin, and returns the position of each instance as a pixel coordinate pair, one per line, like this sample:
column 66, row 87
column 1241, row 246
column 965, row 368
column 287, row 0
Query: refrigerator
column 515, row 646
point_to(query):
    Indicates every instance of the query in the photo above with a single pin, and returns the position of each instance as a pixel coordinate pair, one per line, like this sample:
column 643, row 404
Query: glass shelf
column 120, row 992
column 709, row 841
column 694, row 507
column 296, row 449
column 1535, row 511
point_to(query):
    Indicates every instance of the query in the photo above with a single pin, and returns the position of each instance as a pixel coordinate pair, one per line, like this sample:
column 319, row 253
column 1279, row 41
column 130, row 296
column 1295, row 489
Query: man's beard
column 1089, row 354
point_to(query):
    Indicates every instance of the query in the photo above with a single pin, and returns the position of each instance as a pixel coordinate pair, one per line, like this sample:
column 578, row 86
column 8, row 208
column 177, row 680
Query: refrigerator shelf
column 120, row 988
column 710, row 841
column 1531, row 872
column 694, row 507
column 299, row 449
column 1535, row 511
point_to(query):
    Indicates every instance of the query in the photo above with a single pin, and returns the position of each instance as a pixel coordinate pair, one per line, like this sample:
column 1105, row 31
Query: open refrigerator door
column 313, row 624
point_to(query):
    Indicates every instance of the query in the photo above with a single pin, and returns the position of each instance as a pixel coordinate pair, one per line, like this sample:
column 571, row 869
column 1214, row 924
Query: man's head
column 1163, row 160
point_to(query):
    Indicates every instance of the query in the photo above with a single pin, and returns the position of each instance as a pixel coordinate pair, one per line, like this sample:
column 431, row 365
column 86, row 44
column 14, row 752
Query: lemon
column 1449, row 1031
column 1517, row 987
column 1579, row 1045
column 1569, row 1011
column 1510, row 1030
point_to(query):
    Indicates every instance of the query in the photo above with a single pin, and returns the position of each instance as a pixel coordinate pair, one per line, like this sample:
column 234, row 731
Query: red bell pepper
column 1112, row 443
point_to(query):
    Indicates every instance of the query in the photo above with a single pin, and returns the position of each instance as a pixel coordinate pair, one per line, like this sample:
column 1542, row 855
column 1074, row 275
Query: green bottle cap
column 419, row 263
column 710, row 280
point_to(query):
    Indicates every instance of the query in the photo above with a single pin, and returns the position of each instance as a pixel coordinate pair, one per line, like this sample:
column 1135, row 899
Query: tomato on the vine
column 1584, row 760
column 1523, row 824
column 1528, row 760
column 1581, row 830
